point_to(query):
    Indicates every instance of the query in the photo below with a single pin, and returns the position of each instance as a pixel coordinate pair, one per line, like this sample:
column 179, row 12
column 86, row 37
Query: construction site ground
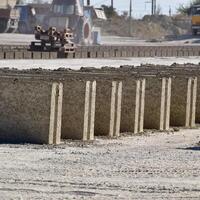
column 76, row 64
column 22, row 39
column 151, row 166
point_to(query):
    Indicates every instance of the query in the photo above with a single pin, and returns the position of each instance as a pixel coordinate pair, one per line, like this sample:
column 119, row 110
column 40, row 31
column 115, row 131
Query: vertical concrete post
column 79, row 110
column 56, row 113
column 183, row 108
column 132, row 119
column 157, row 103
column 108, row 108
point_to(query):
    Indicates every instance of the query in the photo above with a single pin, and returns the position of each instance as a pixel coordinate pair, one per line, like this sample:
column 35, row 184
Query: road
column 157, row 166
column 22, row 39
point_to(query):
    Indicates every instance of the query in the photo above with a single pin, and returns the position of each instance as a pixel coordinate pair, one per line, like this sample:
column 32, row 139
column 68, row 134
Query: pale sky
column 141, row 8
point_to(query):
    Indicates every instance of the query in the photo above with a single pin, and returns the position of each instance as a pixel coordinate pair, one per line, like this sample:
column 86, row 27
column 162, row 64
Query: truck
column 69, row 22
column 9, row 16
column 31, row 15
column 195, row 12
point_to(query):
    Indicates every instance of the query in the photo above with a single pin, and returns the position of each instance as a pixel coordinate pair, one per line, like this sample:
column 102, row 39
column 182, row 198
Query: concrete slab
column 183, row 106
column 30, row 111
column 78, row 110
column 157, row 103
column 108, row 108
column 132, row 117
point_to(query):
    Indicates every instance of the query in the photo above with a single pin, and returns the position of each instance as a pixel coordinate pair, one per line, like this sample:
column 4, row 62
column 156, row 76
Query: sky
column 140, row 8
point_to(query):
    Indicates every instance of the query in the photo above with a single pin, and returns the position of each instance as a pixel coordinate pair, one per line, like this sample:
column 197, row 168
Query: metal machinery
column 195, row 11
column 31, row 15
column 9, row 16
column 69, row 22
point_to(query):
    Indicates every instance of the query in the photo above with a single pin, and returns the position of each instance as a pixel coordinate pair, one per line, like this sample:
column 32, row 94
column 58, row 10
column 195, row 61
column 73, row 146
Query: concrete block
column 9, row 55
column 124, row 53
column 100, row 54
column 30, row 111
column 118, row 53
column 79, row 110
column 157, row 103
column 93, row 54
column 1, row 55
column 106, row 54
column 27, row 55
column 45, row 55
column 108, row 108
column 84, row 54
column 77, row 54
column 53, row 55
column 19, row 55
column 132, row 117
column 36, row 55
column 183, row 105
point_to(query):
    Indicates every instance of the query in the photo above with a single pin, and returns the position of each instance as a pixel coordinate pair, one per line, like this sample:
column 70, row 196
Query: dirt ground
column 152, row 166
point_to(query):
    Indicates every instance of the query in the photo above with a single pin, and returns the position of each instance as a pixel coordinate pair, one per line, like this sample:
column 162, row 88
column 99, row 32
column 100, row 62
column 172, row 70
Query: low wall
column 50, row 106
column 30, row 111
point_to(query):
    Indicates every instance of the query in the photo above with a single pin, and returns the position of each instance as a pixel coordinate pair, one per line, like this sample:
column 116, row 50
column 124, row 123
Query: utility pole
column 112, row 6
column 130, row 18
column 88, row 2
column 153, row 7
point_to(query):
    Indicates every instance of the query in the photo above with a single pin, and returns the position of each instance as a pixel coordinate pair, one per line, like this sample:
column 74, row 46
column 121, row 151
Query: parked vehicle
column 9, row 16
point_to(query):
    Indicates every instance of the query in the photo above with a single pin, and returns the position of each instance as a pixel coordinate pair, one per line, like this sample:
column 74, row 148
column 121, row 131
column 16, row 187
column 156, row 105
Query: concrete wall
column 157, row 103
column 30, row 111
column 108, row 108
column 183, row 106
column 78, row 110
column 132, row 118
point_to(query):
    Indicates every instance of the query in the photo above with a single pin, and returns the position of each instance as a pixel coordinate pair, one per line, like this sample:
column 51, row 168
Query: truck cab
column 195, row 12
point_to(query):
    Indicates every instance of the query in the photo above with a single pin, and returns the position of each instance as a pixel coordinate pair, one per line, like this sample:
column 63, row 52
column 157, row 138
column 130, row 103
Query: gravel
column 151, row 166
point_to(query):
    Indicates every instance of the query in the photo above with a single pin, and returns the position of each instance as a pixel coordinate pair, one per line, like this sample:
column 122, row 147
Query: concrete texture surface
column 30, row 111
column 79, row 100
column 159, row 166
column 183, row 102
column 133, row 98
column 157, row 103
column 108, row 108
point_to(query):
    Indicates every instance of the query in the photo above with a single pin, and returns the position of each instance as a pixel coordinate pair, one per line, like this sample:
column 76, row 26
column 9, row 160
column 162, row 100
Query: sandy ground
column 22, row 39
column 156, row 166
column 76, row 64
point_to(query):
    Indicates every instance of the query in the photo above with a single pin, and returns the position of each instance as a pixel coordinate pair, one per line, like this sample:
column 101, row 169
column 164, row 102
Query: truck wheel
column 84, row 32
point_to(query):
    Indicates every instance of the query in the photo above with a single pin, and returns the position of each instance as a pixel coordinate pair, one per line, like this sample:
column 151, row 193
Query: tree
column 187, row 9
column 109, row 11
